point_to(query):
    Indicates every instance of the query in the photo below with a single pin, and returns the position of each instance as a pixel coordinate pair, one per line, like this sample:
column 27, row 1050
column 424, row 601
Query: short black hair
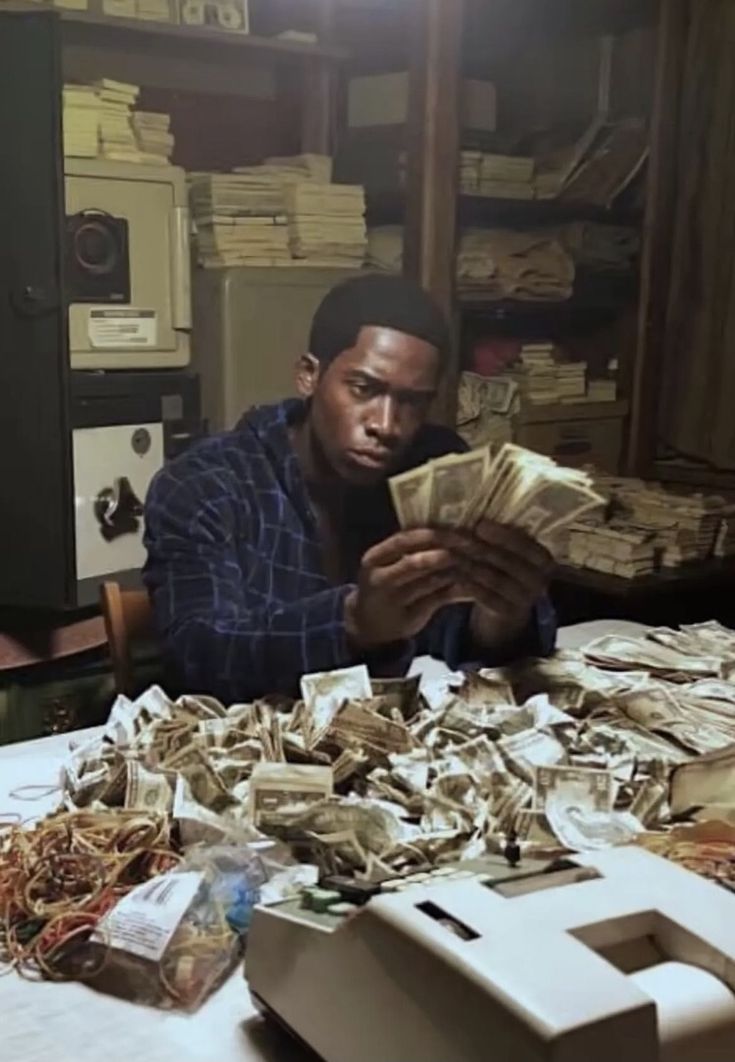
column 379, row 300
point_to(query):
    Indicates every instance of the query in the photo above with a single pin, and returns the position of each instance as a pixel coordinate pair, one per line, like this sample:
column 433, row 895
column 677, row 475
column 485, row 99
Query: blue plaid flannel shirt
column 235, row 569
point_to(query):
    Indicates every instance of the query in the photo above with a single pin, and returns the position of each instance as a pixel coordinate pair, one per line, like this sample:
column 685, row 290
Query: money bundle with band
column 516, row 487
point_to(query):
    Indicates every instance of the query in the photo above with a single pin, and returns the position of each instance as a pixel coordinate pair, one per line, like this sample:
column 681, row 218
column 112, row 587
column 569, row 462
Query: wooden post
column 319, row 87
column 432, row 161
column 657, row 229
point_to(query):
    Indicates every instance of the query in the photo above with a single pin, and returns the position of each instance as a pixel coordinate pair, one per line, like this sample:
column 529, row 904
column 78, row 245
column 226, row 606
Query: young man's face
column 368, row 404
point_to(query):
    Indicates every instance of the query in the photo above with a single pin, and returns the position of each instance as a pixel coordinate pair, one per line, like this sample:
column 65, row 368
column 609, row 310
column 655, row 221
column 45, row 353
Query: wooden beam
column 319, row 89
column 658, row 226
column 432, row 159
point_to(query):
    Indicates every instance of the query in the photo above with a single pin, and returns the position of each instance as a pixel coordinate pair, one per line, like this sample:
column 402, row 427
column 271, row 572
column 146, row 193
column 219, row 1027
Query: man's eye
column 360, row 388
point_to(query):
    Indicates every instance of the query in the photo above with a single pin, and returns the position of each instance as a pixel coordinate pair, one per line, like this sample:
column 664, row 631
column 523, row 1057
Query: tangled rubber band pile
column 59, row 878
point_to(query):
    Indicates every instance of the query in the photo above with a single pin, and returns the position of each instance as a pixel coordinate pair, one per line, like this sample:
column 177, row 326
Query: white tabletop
column 73, row 1023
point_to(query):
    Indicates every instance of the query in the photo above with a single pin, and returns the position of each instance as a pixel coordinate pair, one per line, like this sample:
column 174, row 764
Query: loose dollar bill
column 279, row 792
column 576, row 786
column 325, row 692
column 583, row 830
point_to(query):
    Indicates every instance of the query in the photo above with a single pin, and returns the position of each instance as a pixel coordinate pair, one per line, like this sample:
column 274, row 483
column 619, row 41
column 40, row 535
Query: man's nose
column 384, row 422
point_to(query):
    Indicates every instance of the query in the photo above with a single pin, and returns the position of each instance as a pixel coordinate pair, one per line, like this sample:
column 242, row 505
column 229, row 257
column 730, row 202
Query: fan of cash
column 516, row 487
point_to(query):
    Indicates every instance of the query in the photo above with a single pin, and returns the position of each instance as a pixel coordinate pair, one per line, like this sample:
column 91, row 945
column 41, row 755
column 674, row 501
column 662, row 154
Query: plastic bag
column 171, row 941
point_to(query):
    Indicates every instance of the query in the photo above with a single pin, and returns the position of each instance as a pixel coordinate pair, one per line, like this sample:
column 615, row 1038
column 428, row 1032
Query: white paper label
column 122, row 327
column 144, row 921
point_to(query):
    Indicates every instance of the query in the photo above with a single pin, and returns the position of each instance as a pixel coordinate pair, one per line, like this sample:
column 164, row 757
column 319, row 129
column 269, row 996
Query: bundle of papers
column 378, row 778
column 117, row 137
column 284, row 212
column 516, row 487
column 598, row 166
column 498, row 176
column 153, row 136
column 240, row 219
column 299, row 168
column 81, row 117
column 613, row 548
column 543, row 378
column 598, row 246
column 649, row 527
column 485, row 407
column 326, row 223
column 602, row 390
column 505, row 264
column 99, row 122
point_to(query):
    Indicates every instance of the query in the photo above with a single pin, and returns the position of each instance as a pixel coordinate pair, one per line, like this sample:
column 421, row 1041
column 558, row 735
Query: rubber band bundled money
column 59, row 878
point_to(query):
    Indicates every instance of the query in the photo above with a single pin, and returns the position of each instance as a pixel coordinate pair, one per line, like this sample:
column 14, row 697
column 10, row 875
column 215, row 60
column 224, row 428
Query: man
column 273, row 549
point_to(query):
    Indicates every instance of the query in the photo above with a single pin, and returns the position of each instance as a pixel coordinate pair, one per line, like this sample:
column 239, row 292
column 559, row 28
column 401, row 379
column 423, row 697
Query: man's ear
column 307, row 375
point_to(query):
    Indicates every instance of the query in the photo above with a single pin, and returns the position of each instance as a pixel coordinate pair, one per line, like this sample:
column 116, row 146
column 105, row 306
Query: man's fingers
column 491, row 583
column 516, row 542
column 411, row 568
column 415, row 593
column 424, row 607
column 416, row 540
column 500, row 561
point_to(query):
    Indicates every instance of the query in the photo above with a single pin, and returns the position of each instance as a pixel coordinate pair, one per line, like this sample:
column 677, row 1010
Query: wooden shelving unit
column 100, row 31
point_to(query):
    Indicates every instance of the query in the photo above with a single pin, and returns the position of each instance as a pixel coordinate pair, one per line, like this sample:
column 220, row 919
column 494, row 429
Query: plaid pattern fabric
column 235, row 567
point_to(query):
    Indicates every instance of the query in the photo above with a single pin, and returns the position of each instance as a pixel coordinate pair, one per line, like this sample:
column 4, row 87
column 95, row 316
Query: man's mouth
column 371, row 458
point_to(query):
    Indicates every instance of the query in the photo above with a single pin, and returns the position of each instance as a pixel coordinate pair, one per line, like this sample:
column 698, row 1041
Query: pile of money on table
column 376, row 778
column 516, row 487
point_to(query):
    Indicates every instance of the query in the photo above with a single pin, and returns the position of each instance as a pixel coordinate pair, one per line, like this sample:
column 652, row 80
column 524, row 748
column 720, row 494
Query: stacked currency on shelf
column 545, row 378
column 617, row 550
column 509, row 264
column 373, row 777
column 326, row 224
column 602, row 390
column 497, row 176
column 153, row 136
column 485, row 408
column 240, row 218
column 81, row 118
column 117, row 137
column 649, row 527
column 294, row 169
column 515, row 487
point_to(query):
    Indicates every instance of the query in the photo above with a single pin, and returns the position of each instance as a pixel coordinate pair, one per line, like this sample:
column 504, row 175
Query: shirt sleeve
column 219, row 636
column 448, row 638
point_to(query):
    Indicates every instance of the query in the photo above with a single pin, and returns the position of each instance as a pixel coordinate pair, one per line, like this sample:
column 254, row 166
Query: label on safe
column 122, row 328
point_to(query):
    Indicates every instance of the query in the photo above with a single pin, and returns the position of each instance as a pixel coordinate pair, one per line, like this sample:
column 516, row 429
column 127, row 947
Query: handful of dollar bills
column 516, row 487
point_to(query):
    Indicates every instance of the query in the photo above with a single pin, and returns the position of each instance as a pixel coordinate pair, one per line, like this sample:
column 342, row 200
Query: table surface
column 73, row 1023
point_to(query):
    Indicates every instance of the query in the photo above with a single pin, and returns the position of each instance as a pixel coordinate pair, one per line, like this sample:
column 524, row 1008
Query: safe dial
column 118, row 510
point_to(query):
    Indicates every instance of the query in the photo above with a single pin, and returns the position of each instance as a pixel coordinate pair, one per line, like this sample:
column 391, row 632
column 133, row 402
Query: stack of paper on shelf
column 326, row 223
column 117, row 138
column 648, row 527
column 505, row 264
column 571, row 381
column 600, row 246
column 291, row 169
column 240, row 219
column 80, row 121
column 497, row 176
column 153, row 136
column 612, row 548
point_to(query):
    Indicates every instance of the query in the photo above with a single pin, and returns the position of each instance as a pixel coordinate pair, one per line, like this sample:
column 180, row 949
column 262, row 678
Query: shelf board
column 87, row 28
column 388, row 207
column 596, row 295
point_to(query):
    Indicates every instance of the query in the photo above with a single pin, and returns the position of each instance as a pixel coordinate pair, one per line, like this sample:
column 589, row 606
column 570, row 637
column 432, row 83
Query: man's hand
column 504, row 572
column 401, row 583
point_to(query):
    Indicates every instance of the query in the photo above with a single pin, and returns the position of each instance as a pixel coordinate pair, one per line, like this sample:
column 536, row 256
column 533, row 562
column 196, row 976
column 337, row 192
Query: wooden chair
column 128, row 619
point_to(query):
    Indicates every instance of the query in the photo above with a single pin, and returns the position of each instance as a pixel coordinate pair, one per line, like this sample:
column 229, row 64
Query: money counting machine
column 617, row 955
